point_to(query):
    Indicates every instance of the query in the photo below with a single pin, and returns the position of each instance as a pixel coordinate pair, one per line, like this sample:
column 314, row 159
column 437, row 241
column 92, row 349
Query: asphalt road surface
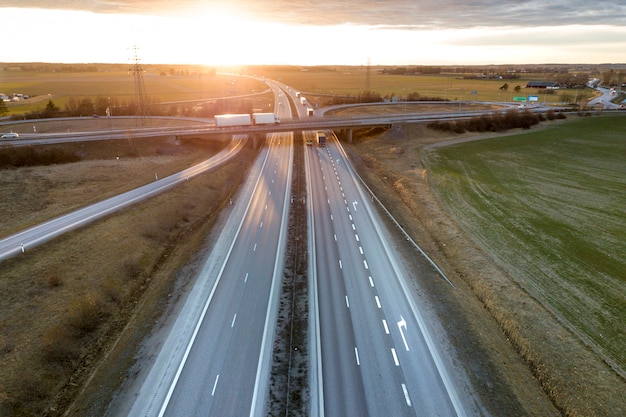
column 377, row 355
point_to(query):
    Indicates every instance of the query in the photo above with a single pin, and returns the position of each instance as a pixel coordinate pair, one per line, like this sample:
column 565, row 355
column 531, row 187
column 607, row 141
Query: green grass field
column 552, row 204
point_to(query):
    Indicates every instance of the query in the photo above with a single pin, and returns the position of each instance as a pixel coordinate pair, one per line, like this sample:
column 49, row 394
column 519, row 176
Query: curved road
column 15, row 244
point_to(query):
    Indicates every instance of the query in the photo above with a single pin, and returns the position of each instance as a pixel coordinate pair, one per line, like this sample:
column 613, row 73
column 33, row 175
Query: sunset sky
column 314, row 32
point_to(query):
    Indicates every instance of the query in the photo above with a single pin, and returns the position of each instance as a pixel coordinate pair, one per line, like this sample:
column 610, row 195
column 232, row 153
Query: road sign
column 533, row 98
column 519, row 98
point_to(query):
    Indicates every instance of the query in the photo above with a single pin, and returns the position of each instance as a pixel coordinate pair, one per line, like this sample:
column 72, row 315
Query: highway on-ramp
column 20, row 242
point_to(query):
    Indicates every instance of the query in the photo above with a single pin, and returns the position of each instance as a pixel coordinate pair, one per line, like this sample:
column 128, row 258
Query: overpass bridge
column 344, row 125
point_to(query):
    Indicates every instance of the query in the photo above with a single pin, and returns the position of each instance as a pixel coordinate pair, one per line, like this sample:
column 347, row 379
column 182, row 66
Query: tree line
column 496, row 122
column 105, row 106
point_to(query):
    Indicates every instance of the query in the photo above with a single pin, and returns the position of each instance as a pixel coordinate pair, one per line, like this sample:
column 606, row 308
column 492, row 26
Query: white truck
column 303, row 100
column 226, row 120
column 265, row 118
column 309, row 111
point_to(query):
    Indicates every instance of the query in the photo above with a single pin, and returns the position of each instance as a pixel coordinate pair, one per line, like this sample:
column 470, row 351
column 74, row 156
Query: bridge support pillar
column 349, row 136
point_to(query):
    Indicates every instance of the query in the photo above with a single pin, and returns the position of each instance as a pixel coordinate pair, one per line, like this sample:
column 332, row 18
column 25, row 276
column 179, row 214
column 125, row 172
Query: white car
column 10, row 136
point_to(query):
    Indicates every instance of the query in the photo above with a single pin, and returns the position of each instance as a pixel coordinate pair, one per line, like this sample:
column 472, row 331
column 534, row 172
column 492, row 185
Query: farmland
column 551, row 205
column 449, row 85
column 118, row 86
column 187, row 84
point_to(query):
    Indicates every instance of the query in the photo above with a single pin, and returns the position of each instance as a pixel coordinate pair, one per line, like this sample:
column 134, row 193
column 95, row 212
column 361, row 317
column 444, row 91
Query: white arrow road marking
column 401, row 324
column 354, row 204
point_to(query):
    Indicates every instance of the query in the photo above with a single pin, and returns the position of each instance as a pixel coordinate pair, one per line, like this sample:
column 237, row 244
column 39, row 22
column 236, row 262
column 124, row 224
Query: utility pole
column 140, row 89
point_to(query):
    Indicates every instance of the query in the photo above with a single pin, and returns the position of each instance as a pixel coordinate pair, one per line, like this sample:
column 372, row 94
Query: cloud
column 419, row 14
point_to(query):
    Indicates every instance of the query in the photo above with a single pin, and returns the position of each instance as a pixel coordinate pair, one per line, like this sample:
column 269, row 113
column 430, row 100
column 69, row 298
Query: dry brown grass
column 64, row 303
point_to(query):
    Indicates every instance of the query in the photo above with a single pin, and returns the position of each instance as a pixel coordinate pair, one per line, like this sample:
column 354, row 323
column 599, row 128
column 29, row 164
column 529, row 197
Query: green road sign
column 519, row 98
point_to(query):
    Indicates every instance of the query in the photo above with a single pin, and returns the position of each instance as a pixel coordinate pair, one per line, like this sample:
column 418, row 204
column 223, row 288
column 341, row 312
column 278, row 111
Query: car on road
column 10, row 136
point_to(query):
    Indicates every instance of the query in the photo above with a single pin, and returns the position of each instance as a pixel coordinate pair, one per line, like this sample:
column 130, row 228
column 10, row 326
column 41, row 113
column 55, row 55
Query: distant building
column 542, row 84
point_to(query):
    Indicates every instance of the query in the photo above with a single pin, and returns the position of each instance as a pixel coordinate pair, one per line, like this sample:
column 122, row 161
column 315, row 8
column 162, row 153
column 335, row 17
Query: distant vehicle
column 10, row 136
column 297, row 94
column 321, row 139
column 231, row 120
column 303, row 100
column 309, row 142
column 522, row 106
column 265, row 118
column 309, row 111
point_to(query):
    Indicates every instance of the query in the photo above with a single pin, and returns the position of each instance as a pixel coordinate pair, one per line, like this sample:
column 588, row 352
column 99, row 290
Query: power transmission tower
column 141, row 101
column 368, row 77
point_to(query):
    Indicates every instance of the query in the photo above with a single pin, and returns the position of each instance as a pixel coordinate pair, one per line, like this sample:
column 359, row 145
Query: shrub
column 85, row 314
column 58, row 346
column 30, row 156
column 54, row 280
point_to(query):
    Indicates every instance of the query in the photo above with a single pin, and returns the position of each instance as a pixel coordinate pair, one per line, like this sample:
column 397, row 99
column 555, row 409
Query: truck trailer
column 265, row 118
column 226, row 120
column 321, row 139
column 303, row 100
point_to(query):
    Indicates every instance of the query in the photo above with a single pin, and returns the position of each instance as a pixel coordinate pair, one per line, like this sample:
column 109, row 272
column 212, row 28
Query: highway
column 371, row 351
column 216, row 359
column 377, row 355
column 229, row 342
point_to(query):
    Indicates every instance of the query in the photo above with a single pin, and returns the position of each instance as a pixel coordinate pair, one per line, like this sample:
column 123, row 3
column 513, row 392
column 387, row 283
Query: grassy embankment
column 550, row 205
column 62, row 305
